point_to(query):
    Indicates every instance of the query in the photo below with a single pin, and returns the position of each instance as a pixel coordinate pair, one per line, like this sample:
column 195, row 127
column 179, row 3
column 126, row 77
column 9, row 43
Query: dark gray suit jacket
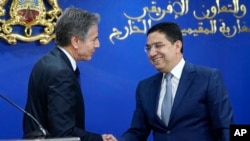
column 55, row 99
column 201, row 110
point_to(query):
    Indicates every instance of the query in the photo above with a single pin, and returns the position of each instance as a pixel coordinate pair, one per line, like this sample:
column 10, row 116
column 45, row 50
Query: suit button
column 168, row 132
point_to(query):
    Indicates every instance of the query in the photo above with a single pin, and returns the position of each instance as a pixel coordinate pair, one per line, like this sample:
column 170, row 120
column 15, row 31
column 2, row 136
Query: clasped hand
column 108, row 137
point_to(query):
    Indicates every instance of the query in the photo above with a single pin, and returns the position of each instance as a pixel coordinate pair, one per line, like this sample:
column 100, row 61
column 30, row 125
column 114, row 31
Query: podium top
column 52, row 139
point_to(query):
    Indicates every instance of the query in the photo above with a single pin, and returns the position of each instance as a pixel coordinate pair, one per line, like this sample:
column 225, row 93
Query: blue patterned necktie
column 167, row 101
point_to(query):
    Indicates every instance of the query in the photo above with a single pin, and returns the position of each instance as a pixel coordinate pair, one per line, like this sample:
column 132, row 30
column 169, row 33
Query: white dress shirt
column 176, row 72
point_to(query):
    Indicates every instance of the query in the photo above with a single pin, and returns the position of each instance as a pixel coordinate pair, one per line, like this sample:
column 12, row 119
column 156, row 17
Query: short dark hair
column 74, row 22
column 171, row 30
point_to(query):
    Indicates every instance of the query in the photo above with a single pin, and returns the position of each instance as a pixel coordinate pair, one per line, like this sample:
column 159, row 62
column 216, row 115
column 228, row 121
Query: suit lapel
column 186, row 79
column 157, row 89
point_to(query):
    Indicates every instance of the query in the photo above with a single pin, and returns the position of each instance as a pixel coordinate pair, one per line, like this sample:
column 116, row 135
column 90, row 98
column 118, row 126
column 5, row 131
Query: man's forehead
column 155, row 37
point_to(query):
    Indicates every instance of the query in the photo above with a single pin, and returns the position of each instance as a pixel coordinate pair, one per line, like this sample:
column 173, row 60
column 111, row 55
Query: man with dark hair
column 54, row 92
column 183, row 102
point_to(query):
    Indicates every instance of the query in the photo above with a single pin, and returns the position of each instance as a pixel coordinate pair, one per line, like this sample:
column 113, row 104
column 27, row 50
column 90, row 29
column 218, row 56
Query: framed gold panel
column 26, row 16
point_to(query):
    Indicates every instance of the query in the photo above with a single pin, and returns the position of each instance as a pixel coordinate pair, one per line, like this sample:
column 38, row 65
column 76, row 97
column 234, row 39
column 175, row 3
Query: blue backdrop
column 216, row 34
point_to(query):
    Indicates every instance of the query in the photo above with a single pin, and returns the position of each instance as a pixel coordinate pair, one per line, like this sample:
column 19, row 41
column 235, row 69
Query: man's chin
column 86, row 58
column 158, row 67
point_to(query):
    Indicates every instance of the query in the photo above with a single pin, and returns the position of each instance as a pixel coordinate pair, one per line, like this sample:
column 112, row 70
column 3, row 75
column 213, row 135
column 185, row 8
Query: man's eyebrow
column 148, row 45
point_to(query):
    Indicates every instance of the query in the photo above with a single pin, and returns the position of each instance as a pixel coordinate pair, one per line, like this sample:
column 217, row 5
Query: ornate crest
column 28, row 21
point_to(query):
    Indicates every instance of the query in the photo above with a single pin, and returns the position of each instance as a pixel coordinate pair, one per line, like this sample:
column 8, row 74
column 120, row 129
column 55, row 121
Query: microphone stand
column 44, row 132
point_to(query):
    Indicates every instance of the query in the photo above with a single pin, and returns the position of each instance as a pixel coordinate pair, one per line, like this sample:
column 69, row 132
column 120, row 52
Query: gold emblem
column 30, row 19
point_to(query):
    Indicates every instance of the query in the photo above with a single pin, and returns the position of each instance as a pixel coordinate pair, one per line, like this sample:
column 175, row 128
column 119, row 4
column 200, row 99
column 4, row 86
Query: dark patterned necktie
column 77, row 73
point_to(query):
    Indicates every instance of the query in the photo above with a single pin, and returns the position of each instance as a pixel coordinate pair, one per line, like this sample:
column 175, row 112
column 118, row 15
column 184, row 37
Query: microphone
column 43, row 131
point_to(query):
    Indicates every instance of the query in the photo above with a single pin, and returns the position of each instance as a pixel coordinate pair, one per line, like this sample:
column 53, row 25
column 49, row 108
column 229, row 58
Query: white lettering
column 240, row 132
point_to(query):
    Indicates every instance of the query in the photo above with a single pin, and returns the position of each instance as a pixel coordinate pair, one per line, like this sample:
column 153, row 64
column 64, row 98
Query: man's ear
column 74, row 41
column 178, row 45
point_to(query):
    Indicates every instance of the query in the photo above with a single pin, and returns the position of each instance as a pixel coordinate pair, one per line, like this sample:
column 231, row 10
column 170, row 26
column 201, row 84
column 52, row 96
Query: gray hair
column 74, row 22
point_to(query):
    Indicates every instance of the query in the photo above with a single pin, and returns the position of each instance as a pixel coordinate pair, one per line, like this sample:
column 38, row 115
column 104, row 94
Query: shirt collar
column 71, row 59
column 177, row 70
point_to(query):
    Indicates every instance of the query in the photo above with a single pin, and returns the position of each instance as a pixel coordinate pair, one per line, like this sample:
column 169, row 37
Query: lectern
column 52, row 139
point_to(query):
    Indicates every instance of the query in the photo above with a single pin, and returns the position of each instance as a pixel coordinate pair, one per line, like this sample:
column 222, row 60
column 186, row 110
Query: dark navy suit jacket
column 55, row 99
column 201, row 110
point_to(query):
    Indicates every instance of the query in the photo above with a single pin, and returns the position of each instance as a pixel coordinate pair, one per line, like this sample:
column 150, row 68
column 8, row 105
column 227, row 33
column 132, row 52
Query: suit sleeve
column 139, row 130
column 62, row 98
column 219, row 106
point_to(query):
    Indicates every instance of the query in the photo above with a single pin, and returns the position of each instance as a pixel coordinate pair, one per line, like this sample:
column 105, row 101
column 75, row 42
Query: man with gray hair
column 54, row 92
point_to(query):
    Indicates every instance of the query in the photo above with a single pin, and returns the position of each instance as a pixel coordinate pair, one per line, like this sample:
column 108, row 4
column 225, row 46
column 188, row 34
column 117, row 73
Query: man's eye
column 147, row 48
column 158, row 45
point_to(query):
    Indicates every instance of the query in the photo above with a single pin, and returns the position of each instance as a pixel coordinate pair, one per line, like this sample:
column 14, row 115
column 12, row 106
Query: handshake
column 108, row 137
